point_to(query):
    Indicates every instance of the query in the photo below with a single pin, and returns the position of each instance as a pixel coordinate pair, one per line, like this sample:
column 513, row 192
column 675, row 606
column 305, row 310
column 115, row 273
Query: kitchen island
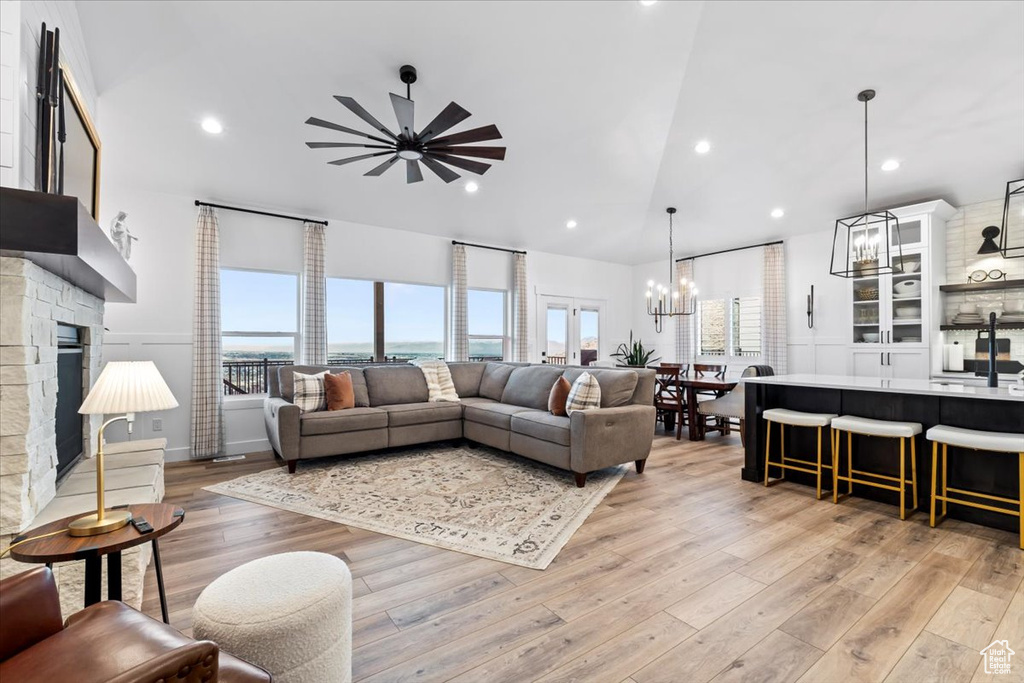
column 996, row 409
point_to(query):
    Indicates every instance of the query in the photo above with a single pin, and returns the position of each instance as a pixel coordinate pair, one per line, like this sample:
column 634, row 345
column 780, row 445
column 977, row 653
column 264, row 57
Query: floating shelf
column 999, row 326
column 983, row 286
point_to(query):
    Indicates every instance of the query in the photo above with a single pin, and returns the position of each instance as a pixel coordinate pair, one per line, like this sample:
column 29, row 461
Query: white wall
column 20, row 25
column 158, row 327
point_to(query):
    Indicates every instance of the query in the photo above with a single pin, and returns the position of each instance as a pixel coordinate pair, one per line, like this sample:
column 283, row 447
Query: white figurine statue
column 121, row 235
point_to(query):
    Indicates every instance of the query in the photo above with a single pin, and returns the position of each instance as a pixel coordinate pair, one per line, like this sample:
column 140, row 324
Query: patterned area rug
column 477, row 501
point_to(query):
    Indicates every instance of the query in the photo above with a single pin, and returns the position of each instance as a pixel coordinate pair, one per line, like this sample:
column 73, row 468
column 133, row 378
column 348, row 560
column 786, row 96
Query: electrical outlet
column 158, row 424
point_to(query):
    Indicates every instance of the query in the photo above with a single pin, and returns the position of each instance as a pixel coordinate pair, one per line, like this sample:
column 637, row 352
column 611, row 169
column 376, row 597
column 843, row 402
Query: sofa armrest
column 30, row 609
column 282, row 419
column 192, row 663
column 610, row 436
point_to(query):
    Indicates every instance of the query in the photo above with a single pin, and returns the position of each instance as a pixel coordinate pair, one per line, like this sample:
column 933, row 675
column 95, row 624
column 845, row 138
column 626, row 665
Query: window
column 488, row 336
column 729, row 327
column 411, row 324
column 260, row 326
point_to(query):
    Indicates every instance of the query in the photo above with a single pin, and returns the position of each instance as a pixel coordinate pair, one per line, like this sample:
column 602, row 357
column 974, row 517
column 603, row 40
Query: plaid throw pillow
column 310, row 394
column 585, row 394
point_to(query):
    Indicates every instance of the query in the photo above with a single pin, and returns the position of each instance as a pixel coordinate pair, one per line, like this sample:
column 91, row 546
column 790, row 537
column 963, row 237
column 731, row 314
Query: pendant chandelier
column 671, row 301
column 868, row 244
column 1013, row 221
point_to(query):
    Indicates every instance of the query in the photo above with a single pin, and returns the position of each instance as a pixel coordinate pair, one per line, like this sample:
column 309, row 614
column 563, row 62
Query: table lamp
column 127, row 387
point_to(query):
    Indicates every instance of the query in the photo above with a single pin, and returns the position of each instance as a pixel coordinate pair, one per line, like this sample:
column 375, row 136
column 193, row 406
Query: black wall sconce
column 989, row 246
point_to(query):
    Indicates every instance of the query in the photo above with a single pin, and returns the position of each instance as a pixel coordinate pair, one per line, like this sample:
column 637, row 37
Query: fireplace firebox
column 69, row 426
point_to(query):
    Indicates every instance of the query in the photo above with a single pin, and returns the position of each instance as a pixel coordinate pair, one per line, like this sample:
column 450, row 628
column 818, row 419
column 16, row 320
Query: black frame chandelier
column 862, row 244
column 1013, row 219
column 670, row 301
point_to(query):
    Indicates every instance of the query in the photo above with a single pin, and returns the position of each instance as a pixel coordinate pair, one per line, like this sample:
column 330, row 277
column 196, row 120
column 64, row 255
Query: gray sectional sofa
column 503, row 405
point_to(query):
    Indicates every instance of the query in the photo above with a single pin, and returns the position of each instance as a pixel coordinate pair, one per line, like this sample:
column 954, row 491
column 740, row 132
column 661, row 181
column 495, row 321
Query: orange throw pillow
column 558, row 396
column 340, row 394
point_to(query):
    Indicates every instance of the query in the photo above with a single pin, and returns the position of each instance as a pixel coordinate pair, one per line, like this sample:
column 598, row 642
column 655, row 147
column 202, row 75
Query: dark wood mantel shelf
column 57, row 234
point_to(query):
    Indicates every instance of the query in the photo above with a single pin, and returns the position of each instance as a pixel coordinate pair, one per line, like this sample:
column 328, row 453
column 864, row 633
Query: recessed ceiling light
column 890, row 165
column 570, row 224
column 212, row 126
column 648, row 3
column 472, row 187
column 778, row 213
column 702, row 147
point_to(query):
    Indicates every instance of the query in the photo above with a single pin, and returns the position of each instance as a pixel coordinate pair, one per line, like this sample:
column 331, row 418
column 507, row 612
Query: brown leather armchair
column 106, row 642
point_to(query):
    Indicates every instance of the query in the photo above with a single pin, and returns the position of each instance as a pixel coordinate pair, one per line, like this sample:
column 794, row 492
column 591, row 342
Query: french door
column 570, row 330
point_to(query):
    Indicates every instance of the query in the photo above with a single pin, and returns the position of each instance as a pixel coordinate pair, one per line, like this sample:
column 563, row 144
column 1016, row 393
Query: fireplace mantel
column 57, row 234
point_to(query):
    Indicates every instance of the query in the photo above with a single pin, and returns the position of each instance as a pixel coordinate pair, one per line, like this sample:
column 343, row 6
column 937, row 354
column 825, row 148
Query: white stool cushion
column 864, row 425
column 1000, row 442
column 289, row 613
column 798, row 419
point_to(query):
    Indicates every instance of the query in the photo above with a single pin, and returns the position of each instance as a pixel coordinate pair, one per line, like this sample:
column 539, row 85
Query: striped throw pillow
column 310, row 393
column 585, row 394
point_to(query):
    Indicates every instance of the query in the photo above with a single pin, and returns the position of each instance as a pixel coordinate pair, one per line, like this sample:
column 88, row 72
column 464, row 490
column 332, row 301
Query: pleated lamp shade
column 128, row 387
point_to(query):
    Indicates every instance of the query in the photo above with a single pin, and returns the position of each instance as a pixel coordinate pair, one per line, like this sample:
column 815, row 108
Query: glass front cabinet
column 894, row 317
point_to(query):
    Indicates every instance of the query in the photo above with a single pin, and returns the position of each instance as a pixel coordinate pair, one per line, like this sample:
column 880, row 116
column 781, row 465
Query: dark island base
column 992, row 473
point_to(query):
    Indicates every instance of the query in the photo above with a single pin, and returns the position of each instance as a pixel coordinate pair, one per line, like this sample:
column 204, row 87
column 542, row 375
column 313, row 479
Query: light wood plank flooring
column 682, row 574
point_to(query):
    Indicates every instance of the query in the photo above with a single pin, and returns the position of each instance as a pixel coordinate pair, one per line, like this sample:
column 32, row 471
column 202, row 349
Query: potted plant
column 634, row 354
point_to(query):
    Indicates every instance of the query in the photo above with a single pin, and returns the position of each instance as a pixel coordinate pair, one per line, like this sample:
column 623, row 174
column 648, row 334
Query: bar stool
column 793, row 418
column 997, row 442
column 852, row 424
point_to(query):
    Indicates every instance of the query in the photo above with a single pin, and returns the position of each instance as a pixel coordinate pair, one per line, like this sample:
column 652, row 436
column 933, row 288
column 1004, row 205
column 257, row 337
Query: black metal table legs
column 94, row 579
column 160, row 581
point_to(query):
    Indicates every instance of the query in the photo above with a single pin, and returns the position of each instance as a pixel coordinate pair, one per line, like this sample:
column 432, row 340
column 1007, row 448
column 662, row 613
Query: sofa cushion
column 310, row 395
column 494, row 414
column 339, row 421
column 544, row 426
column 558, row 396
column 477, row 400
column 403, row 414
column 396, row 384
column 617, row 386
column 285, row 384
column 531, row 386
column 584, row 395
column 492, row 382
column 340, row 394
column 466, row 377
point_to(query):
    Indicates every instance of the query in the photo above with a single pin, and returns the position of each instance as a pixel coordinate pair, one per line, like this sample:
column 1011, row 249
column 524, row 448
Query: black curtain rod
column 726, row 251
column 260, row 213
column 484, row 246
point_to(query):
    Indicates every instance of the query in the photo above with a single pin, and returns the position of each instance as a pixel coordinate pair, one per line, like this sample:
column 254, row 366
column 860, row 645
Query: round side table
column 91, row 549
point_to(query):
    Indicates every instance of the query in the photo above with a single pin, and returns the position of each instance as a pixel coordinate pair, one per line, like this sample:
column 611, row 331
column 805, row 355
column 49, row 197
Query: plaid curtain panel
column 310, row 392
column 773, row 309
column 585, row 394
column 460, row 306
column 520, row 332
column 686, row 325
column 207, row 376
column 314, row 296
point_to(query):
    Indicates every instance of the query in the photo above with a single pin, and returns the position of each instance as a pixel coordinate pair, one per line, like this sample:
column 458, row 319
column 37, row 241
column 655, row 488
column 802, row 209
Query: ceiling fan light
column 410, row 155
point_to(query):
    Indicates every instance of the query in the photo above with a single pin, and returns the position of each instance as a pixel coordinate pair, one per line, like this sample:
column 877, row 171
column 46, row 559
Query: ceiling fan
column 436, row 153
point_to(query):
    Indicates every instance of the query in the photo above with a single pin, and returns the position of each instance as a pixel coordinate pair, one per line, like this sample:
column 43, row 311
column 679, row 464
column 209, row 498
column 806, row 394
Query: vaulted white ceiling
column 600, row 104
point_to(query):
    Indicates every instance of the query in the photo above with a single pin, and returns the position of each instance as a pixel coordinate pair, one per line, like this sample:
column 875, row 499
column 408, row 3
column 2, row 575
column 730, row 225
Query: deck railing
column 250, row 376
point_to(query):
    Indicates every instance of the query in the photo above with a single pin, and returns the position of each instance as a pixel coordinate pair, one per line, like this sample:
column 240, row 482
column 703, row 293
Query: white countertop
column 893, row 386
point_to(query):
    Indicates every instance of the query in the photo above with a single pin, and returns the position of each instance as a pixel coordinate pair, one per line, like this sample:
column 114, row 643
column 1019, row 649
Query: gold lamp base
column 92, row 525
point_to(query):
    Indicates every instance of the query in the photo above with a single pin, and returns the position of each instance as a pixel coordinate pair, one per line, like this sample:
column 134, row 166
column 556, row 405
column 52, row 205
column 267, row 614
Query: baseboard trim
column 182, row 454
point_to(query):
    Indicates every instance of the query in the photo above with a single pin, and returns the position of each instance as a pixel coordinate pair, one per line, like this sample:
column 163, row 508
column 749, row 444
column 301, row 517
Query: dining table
column 691, row 383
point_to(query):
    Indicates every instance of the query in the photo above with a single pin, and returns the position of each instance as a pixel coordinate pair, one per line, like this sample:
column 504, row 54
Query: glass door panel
column 590, row 335
column 867, row 311
column 907, row 320
column 911, row 234
column 557, row 337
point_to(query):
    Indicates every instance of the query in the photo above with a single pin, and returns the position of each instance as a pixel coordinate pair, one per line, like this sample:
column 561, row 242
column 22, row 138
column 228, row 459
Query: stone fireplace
column 34, row 302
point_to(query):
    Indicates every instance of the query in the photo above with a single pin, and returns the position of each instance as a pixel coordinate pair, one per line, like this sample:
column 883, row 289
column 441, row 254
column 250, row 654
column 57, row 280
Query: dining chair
column 732, row 406
column 669, row 396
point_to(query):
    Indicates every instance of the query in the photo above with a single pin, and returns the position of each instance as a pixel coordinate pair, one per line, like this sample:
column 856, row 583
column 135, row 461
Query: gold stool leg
column 819, row 463
column 835, row 466
column 945, row 475
column 913, row 468
column 903, row 478
column 935, row 466
column 782, row 447
column 849, row 462
column 767, row 449
column 1020, row 497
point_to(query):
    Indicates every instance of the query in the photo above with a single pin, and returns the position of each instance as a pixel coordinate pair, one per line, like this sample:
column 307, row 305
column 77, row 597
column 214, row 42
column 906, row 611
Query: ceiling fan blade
column 327, row 145
column 413, row 174
column 356, row 109
column 342, row 162
column 379, row 170
column 481, row 152
column 473, row 135
column 449, row 116
column 465, row 164
column 441, row 171
column 404, row 109
column 313, row 121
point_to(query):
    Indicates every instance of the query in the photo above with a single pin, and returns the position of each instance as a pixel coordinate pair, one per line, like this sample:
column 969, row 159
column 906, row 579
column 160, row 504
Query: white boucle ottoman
column 290, row 614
